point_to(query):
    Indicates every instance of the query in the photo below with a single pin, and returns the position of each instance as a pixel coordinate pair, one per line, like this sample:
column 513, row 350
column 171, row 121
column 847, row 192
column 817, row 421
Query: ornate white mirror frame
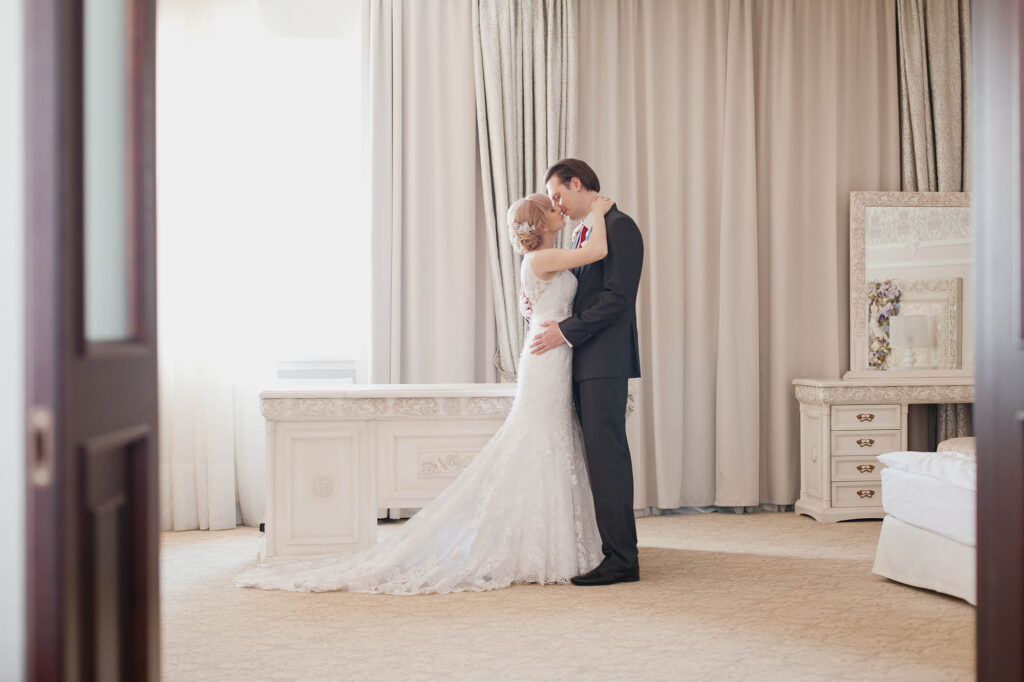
column 948, row 290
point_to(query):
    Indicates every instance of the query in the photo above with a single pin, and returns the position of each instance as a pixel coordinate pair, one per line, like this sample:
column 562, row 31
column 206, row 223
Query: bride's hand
column 601, row 205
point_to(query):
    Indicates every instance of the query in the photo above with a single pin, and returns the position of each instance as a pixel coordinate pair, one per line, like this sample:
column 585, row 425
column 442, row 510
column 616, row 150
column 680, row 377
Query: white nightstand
column 845, row 425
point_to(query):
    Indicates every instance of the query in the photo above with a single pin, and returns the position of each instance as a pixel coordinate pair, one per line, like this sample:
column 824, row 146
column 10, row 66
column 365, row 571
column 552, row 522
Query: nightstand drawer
column 865, row 417
column 861, row 443
column 856, row 469
column 856, row 494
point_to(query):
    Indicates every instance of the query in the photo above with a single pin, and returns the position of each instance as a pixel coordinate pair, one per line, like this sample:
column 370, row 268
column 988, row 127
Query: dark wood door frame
column 91, row 486
column 997, row 176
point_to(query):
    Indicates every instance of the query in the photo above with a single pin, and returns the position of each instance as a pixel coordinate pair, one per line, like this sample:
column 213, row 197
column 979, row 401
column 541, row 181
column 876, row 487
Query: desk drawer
column 417, row 460
column 857, row 494
column 862, row 443
column 856, row 469
column 865, row 417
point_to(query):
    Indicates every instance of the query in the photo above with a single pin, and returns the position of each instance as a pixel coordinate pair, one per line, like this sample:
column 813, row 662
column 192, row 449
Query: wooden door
column 92, row 527
column 997, row 95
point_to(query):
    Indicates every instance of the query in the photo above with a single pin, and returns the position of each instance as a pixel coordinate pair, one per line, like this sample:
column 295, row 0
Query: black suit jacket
column 602, row 329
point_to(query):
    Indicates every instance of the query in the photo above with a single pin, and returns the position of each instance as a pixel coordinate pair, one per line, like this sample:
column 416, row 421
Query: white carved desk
column 335, row 456
column 844, row 425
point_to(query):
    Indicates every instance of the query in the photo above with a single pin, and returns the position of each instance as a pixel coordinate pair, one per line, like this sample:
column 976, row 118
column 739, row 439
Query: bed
column 928, row 536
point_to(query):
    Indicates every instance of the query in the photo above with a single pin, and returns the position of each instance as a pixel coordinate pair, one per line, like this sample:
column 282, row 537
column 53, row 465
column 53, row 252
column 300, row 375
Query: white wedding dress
column 521, row 512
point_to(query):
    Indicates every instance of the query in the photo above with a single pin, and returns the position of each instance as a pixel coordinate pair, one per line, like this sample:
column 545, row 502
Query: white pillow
column 954, row 468
column 967, row 445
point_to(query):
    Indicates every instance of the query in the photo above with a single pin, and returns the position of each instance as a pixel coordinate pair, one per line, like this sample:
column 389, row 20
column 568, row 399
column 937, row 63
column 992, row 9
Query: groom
column 602, row 334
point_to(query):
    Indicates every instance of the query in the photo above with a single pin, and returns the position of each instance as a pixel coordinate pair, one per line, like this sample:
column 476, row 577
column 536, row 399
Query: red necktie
column 579, row 245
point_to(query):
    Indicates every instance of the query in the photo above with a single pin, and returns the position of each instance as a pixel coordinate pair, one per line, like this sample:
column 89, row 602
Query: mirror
column 911, row 288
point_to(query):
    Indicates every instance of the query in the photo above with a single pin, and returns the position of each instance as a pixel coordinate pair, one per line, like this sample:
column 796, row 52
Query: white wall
column 12, row 475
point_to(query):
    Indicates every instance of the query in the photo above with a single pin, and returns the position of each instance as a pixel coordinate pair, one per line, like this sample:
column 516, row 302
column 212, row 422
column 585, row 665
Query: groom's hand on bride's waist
column 550, row 338
column 527, row 305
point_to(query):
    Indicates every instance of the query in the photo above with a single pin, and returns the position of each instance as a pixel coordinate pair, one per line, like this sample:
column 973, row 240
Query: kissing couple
column 549, row 499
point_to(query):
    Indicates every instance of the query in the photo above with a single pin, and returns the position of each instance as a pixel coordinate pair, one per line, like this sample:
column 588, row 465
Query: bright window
column 263, row 231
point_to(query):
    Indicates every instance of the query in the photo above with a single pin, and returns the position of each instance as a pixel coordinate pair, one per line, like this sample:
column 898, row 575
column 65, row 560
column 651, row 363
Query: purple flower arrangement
column 884, row 302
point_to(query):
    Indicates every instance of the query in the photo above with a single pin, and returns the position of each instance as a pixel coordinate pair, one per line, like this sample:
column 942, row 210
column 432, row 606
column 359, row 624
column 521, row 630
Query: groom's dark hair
column 567, row 169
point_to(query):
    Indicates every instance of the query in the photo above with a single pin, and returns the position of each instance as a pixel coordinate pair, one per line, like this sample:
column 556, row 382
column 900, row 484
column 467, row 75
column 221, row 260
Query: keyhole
column 42, row 446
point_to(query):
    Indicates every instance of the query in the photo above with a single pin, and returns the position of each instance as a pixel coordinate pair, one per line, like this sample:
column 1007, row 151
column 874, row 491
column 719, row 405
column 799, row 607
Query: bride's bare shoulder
column 539, row 266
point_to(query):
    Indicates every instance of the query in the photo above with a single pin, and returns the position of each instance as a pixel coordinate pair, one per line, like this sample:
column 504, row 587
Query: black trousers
column 601, row 406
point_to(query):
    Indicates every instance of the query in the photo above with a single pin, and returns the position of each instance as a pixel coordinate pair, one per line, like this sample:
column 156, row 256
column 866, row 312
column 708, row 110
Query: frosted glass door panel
column 108, row 242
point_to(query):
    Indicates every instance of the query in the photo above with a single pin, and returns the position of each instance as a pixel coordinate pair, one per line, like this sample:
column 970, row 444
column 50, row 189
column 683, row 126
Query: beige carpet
column 722, row 597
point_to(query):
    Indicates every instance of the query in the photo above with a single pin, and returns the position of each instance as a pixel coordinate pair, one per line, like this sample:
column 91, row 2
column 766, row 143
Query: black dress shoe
column 605, row 575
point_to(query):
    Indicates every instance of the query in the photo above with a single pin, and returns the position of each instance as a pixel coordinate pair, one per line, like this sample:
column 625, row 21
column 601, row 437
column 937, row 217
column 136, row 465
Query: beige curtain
column 733, row 132
column 524, row 54
column 934, row 81
column 954, row 421
column 934, row 78
column 432, row 319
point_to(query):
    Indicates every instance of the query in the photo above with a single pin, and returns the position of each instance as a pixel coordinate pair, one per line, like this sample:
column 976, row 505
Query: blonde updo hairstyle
column 526, row 218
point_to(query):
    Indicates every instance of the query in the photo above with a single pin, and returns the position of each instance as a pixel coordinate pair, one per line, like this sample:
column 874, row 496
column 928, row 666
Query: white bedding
column 922, row 558
column 952, row 467
column 930, row 503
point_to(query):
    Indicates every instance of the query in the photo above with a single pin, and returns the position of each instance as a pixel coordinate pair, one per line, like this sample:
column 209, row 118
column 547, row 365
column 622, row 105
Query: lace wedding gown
column 521, row 512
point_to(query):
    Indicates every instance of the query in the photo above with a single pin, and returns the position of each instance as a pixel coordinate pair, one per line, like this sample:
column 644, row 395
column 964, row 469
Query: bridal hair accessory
column 517, row 229
column 522, row 228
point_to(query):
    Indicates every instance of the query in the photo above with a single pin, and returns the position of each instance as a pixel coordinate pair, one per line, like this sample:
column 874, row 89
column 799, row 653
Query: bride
column 522, row 511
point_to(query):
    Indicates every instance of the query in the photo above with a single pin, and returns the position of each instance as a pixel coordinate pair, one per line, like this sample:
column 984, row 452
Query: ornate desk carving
column 337, row 456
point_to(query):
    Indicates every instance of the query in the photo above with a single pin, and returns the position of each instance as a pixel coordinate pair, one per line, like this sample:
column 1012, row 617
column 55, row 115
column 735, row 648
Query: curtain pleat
column 432, row 318
column 733, row 132
column 934, row 78
column 524, row 58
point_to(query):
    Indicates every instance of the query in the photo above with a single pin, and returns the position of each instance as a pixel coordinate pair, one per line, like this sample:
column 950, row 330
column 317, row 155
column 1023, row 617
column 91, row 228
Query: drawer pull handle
column 865, row 442
column 866, row 417
column 865, row 494
column 865, row 468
